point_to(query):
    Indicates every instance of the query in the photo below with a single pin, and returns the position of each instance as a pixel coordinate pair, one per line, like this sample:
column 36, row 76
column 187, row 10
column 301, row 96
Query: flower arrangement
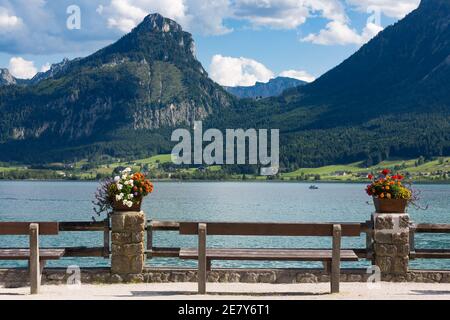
column 124, row 192
column 389, row 193
column 388, row 186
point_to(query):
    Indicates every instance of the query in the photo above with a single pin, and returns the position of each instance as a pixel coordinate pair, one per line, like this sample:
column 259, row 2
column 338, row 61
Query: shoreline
column 419, row 182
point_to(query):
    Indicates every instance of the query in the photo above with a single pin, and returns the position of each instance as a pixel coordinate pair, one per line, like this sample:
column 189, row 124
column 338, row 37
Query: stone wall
column 58, row 276
column 127, row 244
column 391, row 243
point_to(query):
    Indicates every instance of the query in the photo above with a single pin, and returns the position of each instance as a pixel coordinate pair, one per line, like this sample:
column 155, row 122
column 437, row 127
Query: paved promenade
column 382, row 290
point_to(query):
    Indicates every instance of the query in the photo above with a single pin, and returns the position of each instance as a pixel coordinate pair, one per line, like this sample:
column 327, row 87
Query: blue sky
column 238, row 41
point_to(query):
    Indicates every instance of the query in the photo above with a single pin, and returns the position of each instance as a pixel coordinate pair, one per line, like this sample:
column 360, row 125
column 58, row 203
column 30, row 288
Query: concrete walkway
column 169, row 291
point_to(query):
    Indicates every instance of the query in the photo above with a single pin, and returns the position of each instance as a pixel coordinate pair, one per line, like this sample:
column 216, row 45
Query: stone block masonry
column 19, row 277
column 391, row 242
column 127, row 245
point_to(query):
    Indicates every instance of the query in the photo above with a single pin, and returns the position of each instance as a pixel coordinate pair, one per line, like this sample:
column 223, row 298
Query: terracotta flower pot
column 390, row 205
column 119, row 206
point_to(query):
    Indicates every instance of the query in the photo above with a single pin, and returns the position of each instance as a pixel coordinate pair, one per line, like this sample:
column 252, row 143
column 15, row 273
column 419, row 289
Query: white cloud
column 21, row 68
column 46, row 67
column 298, row 74
column 394, row 9
column 194, row 15
column 208, row 17
column 280, row 14
column 330, row 9
column 229, row 71
column 232, row 72
column 286, row 14
column 126, row 14
column 338, row 33
column 8, row 22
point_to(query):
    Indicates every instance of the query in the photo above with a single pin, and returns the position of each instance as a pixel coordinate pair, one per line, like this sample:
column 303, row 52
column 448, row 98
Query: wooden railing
column 103, row 226
column 419, row 253
column 166, row 252
column 161, row 252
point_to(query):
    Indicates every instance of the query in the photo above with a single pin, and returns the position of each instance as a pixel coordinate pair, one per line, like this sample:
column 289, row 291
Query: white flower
column 125, row 202
column 127, row 170
column 131, row 182
column 124, row 177
column 119, row 186
column 126, row 182
column 116, row 179
column 118, row 198
column 130, row 196
column 130, row 204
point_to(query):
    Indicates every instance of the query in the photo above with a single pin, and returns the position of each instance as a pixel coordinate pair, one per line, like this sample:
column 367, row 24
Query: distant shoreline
column 419, row 182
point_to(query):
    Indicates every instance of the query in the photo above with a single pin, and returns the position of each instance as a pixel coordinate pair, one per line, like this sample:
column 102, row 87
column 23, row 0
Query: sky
column 238, row 42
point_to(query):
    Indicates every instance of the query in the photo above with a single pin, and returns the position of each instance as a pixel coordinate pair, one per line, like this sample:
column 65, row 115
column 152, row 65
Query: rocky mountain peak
column 157, row 23
column 6, row 78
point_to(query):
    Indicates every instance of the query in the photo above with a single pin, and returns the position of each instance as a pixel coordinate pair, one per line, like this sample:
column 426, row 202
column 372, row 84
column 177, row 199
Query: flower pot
column 119, row 206
column 390, row 205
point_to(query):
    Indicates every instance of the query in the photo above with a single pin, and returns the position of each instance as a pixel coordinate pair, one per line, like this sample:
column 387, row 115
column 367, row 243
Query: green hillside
column 161, row 167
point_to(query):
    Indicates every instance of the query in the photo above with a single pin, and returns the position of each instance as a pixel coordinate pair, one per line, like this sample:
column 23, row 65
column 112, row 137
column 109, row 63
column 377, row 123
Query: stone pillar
column 391, row 243
column 127, row 249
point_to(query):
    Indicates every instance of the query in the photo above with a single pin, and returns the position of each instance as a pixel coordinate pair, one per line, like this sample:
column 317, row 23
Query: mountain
column 118, row 100
column 6, row 78
column 273, row 88
column 389, row 99
column 54, row 70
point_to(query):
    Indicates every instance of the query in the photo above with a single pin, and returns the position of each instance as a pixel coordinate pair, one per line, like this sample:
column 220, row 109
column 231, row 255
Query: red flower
column 399, row 177
column 385, row 172
column 370, row 176
column 395, row 177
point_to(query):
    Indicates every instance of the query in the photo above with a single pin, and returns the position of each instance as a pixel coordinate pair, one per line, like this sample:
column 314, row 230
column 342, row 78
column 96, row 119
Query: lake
column 216, row 201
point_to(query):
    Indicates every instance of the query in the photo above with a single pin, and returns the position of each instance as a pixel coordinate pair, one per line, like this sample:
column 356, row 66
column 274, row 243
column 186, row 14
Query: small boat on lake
column 313, row 187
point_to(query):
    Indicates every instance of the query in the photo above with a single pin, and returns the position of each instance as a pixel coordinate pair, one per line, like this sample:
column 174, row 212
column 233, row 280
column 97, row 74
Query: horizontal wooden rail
column 84, row 252
column 73, row 251
column 175, row 226
column 163, row 225
column 431, row 254
column 366, row 227
column 157, row 252
column 432, row 228
column 298, row 229
column 82, row 226
column 23, row 228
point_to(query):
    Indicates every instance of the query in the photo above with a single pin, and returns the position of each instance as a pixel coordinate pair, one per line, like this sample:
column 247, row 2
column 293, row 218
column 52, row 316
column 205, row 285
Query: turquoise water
column 216, row 201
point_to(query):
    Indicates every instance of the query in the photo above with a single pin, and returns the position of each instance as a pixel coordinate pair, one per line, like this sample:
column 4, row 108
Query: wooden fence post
column 336, row 258
column 35, row 277
column 202, row 258
column 106, row 239
column 149, row 236
column 412, row 241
